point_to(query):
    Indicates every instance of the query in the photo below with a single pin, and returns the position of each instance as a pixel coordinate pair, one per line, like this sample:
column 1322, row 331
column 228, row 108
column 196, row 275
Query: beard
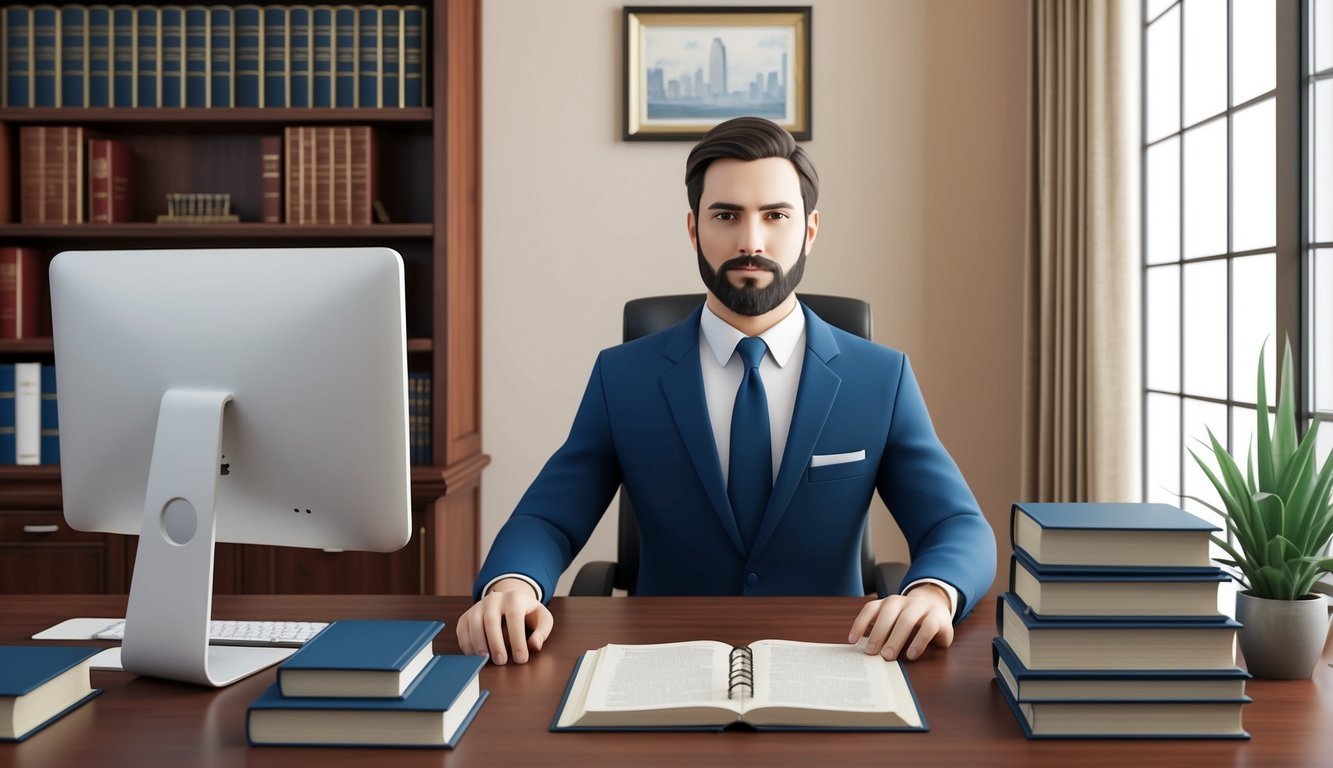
column 748, row 298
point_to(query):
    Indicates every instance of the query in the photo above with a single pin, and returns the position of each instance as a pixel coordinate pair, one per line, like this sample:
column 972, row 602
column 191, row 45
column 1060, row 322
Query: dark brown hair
column 748, row 138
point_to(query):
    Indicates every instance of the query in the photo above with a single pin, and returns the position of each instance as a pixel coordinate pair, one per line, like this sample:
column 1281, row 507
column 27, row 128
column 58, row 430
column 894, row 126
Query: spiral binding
column 741, row 673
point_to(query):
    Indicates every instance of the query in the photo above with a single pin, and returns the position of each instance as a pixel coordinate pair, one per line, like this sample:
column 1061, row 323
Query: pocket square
column 828, row 459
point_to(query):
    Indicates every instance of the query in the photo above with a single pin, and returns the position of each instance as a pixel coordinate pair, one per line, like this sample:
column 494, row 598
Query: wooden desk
column 144, row 722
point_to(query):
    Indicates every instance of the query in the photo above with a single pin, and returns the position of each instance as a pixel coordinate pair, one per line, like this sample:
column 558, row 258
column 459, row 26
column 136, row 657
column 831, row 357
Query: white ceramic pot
column 1282, row 639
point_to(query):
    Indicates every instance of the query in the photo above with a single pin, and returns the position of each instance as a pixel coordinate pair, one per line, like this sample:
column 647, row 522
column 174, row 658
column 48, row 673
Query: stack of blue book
column 39, row 684
column 369, row 684
column 1111, row 627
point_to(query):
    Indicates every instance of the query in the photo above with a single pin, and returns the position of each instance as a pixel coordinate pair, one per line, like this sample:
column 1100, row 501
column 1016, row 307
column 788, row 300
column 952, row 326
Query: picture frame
column 688, row 68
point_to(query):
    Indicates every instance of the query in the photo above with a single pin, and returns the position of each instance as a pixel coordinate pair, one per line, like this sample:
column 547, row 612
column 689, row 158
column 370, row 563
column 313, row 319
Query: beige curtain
column 1081, row 388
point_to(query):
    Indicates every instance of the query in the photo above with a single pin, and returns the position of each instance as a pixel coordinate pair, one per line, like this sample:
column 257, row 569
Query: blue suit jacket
column 644, row 422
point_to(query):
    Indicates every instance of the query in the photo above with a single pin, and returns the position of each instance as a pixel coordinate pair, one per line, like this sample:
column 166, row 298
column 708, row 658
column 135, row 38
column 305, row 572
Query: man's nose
column 752, row 237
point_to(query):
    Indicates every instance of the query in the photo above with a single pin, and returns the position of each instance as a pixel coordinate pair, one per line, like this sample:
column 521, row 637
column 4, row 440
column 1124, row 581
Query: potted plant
column 1278, row 513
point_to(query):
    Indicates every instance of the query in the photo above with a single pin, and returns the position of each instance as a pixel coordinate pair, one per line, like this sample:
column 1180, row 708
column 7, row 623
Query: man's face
column 752, row 234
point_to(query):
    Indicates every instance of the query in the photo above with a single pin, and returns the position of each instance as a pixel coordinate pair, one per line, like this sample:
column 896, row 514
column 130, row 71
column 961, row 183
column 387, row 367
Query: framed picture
column 690, row 68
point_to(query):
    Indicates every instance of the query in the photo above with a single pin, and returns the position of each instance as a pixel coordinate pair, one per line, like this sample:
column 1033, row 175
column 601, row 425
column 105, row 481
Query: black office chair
column 652, row 314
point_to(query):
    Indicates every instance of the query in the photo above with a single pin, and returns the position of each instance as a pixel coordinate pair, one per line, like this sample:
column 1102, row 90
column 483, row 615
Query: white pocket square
column 829, row 459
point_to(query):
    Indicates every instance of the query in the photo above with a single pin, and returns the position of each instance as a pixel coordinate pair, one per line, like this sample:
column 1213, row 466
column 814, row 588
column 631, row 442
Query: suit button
column 752, row 579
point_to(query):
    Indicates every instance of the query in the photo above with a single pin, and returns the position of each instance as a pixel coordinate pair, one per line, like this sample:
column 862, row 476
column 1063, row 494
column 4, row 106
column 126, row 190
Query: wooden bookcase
column 429, row 176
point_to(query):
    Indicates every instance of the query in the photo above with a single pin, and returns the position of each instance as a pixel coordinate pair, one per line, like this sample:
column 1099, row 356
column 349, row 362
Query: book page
column 795, row 681
column 669, row 675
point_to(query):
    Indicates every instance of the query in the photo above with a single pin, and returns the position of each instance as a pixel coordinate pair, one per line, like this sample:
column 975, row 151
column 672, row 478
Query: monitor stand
column 171, row 594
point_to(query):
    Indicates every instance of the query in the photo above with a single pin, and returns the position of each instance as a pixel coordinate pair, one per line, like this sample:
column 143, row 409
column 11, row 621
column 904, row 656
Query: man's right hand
column 505, row 612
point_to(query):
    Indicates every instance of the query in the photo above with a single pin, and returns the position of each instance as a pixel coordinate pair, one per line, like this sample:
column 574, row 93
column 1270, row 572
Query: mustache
column 752, row 260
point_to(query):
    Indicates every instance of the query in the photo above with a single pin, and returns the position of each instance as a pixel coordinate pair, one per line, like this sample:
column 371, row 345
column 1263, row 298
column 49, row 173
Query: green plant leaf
column 1272, row 583
column 1242, row 502
column 1284, row 424
column 1238, row 560
column 1297, row 485
column 1319, row 528
column 1271, row 508
column 1237, row 512
column 1261, row 434
column 1326, row 564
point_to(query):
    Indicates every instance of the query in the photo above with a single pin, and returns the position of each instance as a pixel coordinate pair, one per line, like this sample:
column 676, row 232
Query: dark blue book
column 99, row 56
column 8, row 447
column 249, row 48
column 18, row 69
column 50, row 417
column 73, row 56
column 360, row 659
column 1095, row 642
column 275, row 56
column 196, row 56
column 124, row 55
column 39, row 684
column 449, row 690
column 45, row 27
column 414, row 56
column 345, row 52
column 220, row 55
column 368, row 57
column 391, row 57
column 149, row 91
column 321, row 56
column 1052, row 591
column 298, row 56
column 1111, row 535
column 173, row 56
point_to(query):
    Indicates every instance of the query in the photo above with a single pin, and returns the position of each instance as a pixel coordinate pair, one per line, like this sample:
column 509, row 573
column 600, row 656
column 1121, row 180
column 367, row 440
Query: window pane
column 1323, row 442
column 1322, row 160
column 1323, row 34
column 1321, row 328
column 1163, row 449
column 1206, row 190
column 1242, row 437
column 1164, row 75
column 1205, row 59
column 1155, row 8
column 1253, row 48
column 1254, row 177
column 1253, row 318
column 1200, row 417
column 1163, row 325
column 1205, row 342
column 1163, row 204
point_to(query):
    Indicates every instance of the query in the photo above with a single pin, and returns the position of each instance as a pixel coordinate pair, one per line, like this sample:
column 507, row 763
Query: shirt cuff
column 949, row 590
column 535, row 586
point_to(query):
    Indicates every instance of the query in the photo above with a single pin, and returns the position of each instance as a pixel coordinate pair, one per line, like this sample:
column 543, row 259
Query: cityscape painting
column 690, row 68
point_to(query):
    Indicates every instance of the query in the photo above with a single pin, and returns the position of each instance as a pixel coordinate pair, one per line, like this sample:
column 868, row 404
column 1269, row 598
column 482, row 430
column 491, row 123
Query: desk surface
column 150, row 722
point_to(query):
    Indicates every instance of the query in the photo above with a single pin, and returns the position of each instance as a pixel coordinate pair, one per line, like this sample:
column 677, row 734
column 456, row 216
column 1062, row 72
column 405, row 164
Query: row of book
column 1111, row 627
column 22, row 294
column 214, row 56
column 58, row 163
column 29, row 419
column 418, row 417
column 330, row 175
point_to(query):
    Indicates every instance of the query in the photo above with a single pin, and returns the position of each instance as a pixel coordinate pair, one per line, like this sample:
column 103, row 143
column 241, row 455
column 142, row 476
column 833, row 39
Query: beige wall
column 919, row 140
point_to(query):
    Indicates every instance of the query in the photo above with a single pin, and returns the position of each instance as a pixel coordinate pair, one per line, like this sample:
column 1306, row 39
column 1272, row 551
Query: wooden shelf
column 242, row 231
column 234, row 116
column 43, row 345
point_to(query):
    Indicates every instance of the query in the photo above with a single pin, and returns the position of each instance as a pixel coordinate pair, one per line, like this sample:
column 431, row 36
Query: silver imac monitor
column 254, row 395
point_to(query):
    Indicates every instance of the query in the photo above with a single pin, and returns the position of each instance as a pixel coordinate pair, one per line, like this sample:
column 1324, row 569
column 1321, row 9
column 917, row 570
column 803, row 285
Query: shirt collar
column 782, row 339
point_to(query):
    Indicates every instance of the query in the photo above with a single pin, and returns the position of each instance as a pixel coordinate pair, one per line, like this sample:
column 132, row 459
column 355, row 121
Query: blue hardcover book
column 45, row 27
column 345, row 51
column 360, row 659
column 1054, row 591
column 196, row 56
column 8, row 447
column 249, row 48
column 172, row 50
column 50, row 445
column 391, row 56
column 414, row 56
column 220, row 56
column 99, row 56
column 321, row 56
column 298, row 55
column 18, row 69
column 124, row 55
column 449, row 689
column 1111, row 535
column 73, row 56
column 275, row 56
column 39, row 684
column 149, row 92
column 1096, row 642
column 368, row 57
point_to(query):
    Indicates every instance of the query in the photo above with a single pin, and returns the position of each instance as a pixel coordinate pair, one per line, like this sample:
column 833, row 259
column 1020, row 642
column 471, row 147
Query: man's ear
column 811, row 229
column 691, row 230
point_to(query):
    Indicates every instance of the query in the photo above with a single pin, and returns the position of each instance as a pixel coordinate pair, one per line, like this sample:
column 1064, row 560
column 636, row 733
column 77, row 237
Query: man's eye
column 725, row 216
column 777, row 215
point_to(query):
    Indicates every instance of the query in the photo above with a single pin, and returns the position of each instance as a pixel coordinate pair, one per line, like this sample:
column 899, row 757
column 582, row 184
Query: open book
column 769, row 684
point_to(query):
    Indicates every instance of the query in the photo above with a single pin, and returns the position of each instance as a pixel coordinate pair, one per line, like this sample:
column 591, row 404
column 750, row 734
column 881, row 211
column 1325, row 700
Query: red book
column 364, row 174
column 32, row 173
column 292, row 178
column 110, row 164
column 70, row 203
column 270, row 182
column 21, row 293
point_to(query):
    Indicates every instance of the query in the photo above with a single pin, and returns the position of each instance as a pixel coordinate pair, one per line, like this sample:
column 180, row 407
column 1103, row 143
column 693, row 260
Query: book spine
column 172, row 49
column 196, row 56
column 149, row 92
column 308, row 168
column 321, row 56
column 270, row 152
column 275, row 57
column 345, row 41
column 75, row 176
column 220, row 58
column 18, row 57
column 109, row 163
column 124, row 55
column 342, row 183
column 414, row 56
column 73, row 56
column 55, row 207
column 8, row 446
column 298, row 55
column 391, row 56
column 20, row 293
column 50, row 418
column 323, row 196
column 99, row 56
column 368, row 57
column 363, row 173
column 28, row 413
column 292, row 164
column 46, row 50
column 32, row 174
column 249, row 50
column 426, row 419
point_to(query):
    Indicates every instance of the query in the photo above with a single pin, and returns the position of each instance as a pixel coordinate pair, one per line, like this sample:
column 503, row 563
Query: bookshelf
column 429, row 176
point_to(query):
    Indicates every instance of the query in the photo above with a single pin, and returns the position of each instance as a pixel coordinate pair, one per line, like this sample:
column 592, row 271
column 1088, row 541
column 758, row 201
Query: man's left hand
column 921, row 616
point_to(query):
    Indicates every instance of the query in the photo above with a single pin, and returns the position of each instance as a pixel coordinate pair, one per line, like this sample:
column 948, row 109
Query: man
column 749, row 437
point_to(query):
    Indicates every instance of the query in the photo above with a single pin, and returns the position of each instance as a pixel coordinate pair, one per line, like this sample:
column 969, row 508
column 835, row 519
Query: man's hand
column 924, row 612
column 506, row 611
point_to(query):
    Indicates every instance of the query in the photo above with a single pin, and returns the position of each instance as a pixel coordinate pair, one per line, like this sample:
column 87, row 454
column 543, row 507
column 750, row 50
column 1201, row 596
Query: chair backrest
column 654, row 313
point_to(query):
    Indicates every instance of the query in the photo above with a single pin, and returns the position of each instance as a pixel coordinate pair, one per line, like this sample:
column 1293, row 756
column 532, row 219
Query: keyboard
column 269, row 634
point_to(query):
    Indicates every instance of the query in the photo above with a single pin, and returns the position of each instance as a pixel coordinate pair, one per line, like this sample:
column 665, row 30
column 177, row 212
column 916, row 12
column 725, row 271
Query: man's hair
column 748, row 138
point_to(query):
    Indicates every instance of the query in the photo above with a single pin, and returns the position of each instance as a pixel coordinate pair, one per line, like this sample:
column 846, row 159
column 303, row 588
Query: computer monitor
column 254, row 395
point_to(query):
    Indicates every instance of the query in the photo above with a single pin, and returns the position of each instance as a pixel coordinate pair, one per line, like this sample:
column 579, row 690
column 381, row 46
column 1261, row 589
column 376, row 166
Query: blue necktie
column 750, row 468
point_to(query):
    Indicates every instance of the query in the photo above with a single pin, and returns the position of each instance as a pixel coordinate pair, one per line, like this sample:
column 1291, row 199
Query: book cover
column 72, row 149
column 322, row 196
column 270, row 154
column 346, row 39
column 321, row 56
column 39, row 684
column 55, row 176
column 197, row 63
column 28, row 413
column 364, row 173
column 368, row 57
column 50, row 441
column 342, row 175
column 1146, row 535
column 124, row 55
column 359, row 659
column 32, row 174
column 309, row 165
column 291, row 183
column 73, row 56
column 249, row 50
column 298, row 57
column 172, row 50
column 1052, row 591
column 449, row 690
column 414, row 56
column 221, row 82
column 18, row 57
column 99, row 56
column 275, row 58
column 8, row 449
column 149, row 90
column 22, row 293
column 110, row 175
column 391, row 56
column 45, row 47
